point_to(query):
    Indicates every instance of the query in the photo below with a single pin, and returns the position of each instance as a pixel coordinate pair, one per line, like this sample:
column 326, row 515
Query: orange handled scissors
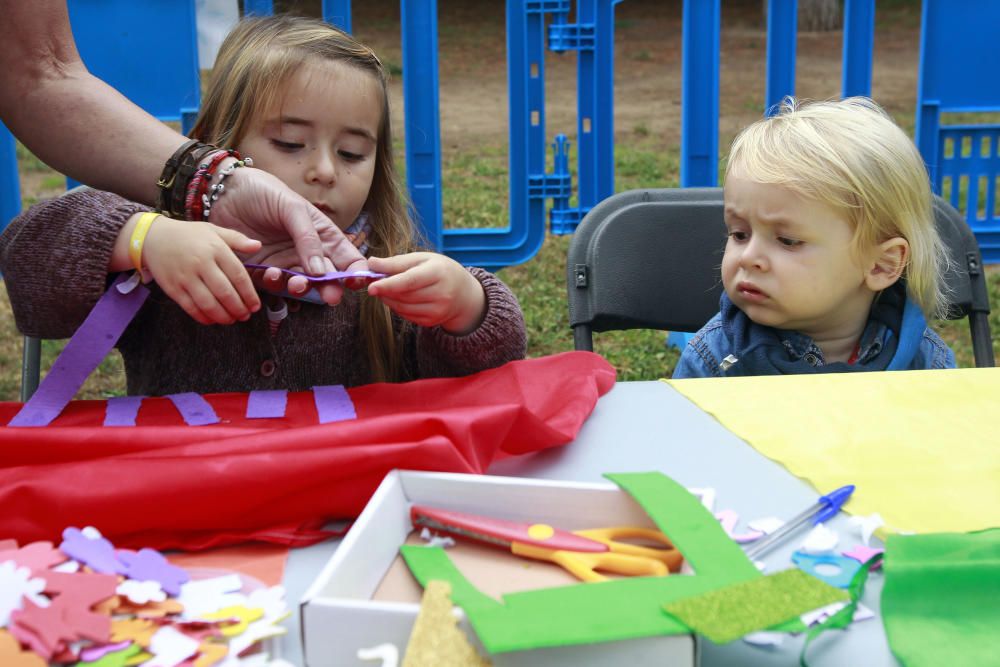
column 580, row 552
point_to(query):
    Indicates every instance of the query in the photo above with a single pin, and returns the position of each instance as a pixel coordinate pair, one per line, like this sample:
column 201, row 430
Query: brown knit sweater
column 54, row 258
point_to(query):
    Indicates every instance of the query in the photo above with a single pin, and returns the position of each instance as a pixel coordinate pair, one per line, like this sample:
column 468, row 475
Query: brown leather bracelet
column 169, row 173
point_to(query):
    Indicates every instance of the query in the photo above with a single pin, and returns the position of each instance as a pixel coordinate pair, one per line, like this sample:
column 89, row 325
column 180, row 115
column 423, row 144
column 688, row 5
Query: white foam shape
column 821, row 614
column 271, row 600
column 170, row 648
column 444, row 542
column 70, row 567
column 16, row 584
column 766, row 525
column 205, row 596
column 820, row 540
column 707, row 497
column 91, row 533
column 760, row 565
column 255, row 632
column 387, row 653
column 764, row 638
column 253, row 660
column 861, row 613
column 141, row 592
column 425, row 534
column 866, row 525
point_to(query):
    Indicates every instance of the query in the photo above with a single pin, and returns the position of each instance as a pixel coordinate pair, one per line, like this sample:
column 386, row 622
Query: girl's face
column 788, row 262
column 321, row 138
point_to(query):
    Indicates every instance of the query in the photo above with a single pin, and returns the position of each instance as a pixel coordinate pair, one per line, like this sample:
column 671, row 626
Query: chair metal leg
column 31, row 361
column 982, row 345
column 582, row 338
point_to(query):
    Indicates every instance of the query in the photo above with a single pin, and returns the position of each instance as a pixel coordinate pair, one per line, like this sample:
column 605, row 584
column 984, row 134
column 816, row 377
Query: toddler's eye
column 737, row 235
column 790, row 243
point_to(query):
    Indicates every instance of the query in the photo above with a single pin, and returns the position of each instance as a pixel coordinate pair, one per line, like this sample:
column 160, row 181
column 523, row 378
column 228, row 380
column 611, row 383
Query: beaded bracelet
column 186, row 170
column 199, row 182
column 216, row 190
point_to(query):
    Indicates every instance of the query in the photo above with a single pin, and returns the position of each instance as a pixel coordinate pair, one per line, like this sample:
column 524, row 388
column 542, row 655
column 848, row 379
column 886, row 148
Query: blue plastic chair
column 958, row 47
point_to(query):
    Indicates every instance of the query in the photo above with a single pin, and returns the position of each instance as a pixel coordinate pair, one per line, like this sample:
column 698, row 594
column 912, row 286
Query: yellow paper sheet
column 922, row 447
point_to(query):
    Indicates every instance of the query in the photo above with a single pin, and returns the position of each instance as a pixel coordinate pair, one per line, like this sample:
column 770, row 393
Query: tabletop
column 646, row 426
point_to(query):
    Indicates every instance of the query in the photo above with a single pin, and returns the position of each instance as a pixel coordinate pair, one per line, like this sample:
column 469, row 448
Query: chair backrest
column 965, row 279
column 650, row 259
column 646, row 259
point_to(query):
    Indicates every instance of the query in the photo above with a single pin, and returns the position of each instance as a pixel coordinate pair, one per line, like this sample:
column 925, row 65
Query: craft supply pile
column 88, row 604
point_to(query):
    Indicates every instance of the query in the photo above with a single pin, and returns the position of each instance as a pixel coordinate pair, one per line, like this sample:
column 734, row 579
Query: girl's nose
column 322, row 169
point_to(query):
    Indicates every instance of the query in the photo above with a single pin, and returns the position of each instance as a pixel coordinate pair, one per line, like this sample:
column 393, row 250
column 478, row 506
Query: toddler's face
column 321, row 140
column 788, row 263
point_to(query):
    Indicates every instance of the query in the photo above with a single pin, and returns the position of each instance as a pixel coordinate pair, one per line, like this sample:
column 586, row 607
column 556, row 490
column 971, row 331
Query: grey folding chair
column 646, row 259
column 650, row 259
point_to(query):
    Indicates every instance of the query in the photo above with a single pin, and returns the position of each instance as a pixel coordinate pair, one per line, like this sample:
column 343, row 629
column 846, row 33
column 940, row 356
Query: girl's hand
column 429, row 289
column 195, row 264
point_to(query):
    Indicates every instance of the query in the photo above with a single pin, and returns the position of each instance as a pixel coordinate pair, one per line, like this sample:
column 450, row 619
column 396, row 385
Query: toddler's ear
column 888, row 262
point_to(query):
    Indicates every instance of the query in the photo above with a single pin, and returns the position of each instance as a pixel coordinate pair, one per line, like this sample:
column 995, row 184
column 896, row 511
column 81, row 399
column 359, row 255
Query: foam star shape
column 150, row 565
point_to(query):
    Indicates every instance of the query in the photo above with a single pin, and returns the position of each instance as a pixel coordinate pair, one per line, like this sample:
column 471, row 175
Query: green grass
column 475, row 195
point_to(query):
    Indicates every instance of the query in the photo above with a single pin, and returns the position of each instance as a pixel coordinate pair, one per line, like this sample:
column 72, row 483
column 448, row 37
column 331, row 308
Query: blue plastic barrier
column 10, row 186
column 958, row 47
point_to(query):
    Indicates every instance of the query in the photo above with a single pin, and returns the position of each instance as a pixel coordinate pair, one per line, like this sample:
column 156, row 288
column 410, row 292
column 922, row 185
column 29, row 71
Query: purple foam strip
column 84, row 351
column 267, row 404
column 122, row 411
column 194, row 409
column 332, row 275
column 333, row 404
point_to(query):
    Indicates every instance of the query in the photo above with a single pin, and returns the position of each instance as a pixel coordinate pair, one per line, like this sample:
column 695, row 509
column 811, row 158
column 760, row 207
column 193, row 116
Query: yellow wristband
column 139, row 237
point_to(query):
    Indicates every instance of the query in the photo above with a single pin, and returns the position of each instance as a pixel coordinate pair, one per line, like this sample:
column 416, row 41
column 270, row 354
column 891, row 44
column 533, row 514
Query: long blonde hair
column 255, row 62
column 851, row 156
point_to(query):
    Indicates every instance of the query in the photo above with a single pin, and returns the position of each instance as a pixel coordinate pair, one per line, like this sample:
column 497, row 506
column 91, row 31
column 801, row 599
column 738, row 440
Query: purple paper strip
column 122, row 411
column 85, row 350
column 194, row 409
column 333, row 404
column 332, row 275
column 267, row 404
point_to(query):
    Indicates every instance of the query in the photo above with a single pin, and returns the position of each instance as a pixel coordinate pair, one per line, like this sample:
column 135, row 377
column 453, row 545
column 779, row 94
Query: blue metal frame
column 859, row 43
column 782, row 33
column 700, row 94
column 337, row 12
column 10, row 185
column 956, row 39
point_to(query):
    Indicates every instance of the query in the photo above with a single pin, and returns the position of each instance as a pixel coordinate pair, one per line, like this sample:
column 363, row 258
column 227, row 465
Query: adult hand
column 293, row 232
column 429, row 289
column 196, row 266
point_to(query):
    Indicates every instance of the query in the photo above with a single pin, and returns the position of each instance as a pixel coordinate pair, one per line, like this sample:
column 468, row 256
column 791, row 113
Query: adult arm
column 83, row 127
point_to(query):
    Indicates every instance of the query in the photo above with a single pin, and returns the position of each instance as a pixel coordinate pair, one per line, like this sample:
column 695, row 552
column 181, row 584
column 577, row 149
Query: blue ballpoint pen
column 825, row 508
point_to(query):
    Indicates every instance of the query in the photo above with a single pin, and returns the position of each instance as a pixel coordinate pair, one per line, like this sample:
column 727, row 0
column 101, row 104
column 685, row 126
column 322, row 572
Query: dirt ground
column 473, row 77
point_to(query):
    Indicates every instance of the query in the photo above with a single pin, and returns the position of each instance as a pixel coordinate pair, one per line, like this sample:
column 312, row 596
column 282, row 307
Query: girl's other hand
column 195, row 264
column 429, row 289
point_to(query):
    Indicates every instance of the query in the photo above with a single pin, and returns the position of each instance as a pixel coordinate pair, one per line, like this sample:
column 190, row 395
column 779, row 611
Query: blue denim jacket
column 895, row 338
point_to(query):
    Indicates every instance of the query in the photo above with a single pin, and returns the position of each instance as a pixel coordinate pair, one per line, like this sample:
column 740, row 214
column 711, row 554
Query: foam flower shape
column 141, row 592
column 90, row 548
column 16, row 584
column 150, row 565
column 35, row 556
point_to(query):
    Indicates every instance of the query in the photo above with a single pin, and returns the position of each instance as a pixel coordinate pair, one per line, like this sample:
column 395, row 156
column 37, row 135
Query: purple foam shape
column 267, row 404
column 122, row 411
column 150, row 565
column 333, row 404
column 326, row 277
column 194, row 409
column 98, row 553
column 85, row 350
column 95, row 653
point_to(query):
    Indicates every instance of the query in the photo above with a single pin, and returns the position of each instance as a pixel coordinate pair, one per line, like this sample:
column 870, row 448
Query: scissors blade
column 501, row 532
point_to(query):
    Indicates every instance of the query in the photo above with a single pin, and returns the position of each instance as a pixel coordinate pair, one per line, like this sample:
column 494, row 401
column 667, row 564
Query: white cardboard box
column 338, row 612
